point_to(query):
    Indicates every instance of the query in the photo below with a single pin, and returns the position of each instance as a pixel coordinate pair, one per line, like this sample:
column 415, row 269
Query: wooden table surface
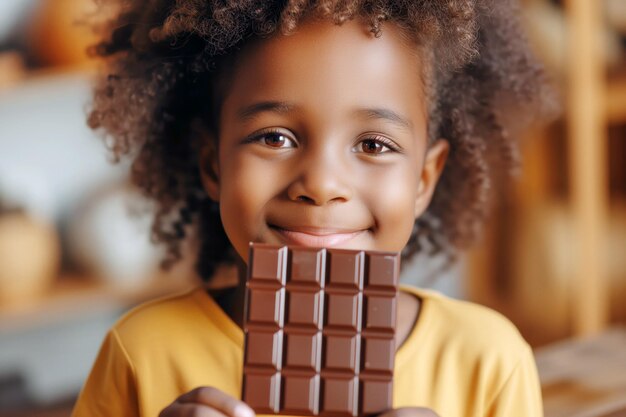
column 585, row 377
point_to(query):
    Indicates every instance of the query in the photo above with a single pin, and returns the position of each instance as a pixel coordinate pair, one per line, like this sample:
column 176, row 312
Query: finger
column 219, row 400
column 190, row 410
column 409, row 412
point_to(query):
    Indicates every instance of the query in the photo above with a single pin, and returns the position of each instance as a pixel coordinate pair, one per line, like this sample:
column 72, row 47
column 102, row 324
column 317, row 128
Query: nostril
column 305, row 199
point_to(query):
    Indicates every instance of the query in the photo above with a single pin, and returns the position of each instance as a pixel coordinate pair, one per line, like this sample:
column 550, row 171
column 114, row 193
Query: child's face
column 323, row 141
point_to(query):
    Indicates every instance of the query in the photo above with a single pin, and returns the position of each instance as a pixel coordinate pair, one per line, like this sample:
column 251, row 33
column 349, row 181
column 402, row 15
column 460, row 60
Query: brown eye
column 276, row 140
column 372, row 147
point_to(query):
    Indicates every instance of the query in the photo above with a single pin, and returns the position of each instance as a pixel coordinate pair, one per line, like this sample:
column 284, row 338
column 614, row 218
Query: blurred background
column 74, row 235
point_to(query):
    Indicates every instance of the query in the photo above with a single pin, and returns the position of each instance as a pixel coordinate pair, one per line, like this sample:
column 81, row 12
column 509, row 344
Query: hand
column 207, row 402
column 409, row 412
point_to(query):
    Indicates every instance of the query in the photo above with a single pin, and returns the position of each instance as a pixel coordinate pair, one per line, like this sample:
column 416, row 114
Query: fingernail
column 243, row 410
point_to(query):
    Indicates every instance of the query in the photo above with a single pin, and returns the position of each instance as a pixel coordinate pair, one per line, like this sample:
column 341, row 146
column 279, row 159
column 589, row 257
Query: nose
column 321, row 180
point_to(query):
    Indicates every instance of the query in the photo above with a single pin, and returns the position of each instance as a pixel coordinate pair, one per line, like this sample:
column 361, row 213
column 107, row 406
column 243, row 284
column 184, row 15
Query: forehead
column 333, row 66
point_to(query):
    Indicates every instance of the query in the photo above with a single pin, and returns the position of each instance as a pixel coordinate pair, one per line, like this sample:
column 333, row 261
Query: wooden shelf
column 563, row 203
column 76, row 296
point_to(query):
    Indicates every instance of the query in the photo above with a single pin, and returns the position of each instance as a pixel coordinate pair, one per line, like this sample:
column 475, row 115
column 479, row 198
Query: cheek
column 392, row 202
column 246, row 186
column 241, row 201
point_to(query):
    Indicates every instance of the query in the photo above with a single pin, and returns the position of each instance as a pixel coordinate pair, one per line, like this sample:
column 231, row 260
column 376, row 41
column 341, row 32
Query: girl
column 319, row 123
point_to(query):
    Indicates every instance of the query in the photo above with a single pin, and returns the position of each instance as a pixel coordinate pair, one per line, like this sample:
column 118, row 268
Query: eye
column 376, row 146
column 273, row 139
column 371, row 146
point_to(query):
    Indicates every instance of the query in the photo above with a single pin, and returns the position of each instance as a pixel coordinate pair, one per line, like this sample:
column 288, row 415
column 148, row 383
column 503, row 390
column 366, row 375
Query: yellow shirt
column 460, row 360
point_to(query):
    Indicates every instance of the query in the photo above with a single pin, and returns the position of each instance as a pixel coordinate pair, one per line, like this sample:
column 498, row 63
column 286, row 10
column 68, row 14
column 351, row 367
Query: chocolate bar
column 319, row 330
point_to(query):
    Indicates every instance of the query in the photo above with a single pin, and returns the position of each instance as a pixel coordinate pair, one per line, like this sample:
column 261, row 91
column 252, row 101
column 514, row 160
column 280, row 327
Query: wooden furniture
column 585, row 377
column 587, row 137
column 73, row 295
column 551, row 259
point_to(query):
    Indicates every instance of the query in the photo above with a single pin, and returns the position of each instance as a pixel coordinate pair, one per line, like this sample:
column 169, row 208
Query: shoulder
column 160, row 318
column 471, row 357
column 477, row 332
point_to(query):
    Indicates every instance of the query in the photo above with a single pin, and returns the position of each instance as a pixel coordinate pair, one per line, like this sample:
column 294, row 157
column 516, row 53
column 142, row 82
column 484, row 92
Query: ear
column 434, row 163
column 209, row 168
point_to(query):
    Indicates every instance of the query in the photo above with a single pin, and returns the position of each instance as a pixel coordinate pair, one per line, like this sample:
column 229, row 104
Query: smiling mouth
column 316, row 237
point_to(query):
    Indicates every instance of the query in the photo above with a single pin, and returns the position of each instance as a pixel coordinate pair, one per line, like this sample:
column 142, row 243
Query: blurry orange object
column 29, row 257
column 61, row 33
column 12, row 69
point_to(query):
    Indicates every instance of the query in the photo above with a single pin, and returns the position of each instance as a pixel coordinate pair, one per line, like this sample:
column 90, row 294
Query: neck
column 232, row 298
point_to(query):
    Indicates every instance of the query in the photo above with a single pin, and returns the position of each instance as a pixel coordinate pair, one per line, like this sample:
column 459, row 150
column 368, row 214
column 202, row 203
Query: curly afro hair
column 167, row 60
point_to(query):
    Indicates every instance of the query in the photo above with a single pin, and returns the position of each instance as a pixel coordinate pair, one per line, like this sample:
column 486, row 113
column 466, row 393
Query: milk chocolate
column 319, row 330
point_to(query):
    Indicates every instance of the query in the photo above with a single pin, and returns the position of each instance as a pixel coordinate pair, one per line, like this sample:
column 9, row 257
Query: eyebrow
column 283, row 107
column 251, row 111
column 386, row 114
